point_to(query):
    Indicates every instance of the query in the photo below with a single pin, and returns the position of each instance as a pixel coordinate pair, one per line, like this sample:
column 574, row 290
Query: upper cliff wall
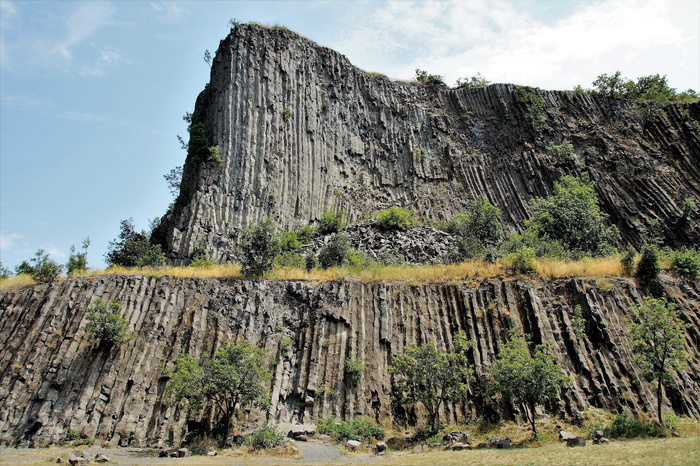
column 302, row 131
column 54, row 378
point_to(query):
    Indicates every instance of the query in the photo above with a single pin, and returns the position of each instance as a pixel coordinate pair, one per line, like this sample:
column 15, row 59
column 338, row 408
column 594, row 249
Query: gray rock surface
column 53, row 378
column 302, row 131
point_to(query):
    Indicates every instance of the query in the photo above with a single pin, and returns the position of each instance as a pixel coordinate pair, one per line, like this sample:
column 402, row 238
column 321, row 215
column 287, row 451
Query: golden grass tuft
column 16, row 281
column 587, row 267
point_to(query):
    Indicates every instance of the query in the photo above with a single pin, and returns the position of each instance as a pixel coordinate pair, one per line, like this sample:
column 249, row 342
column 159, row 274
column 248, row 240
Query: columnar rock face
column 301, row 131
column 54, row 378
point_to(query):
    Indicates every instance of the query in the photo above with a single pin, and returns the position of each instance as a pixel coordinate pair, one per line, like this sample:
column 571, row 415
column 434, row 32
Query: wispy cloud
column 84, row 21
column 170, row 11
column 9, row 239
column 109, row 57
column 507, row 43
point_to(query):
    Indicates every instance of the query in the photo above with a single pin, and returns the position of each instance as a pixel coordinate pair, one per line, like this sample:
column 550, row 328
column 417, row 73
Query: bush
column 648, row 267
column 106, row 324
column 289, row 241
column 291, row 260
column 395, row 218
column 331, row 222
column 627, row 261
column 625, row 427
column 522, row 261
column 423, row 77
column 305, row 234
column 359, row 428
column 134, row 249
column 266, row 436
column 354, row 368
column 77, row 261
column 335, row 253
column 42, row 268
column 259, row 245
column 686, row 263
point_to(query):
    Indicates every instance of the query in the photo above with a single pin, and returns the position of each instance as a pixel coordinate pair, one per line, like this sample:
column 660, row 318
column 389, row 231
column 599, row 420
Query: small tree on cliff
column 527, row 380
column 232, row 379
column 657, row 343
column 259, row 244
column 424, row 375
column 106, row 324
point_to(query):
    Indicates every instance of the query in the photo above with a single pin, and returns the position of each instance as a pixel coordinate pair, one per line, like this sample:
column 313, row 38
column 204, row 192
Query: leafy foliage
column 424, row 78
column 232, row 378
column 134, row 249
column 686, row 263
column 534, row 101
column 563, row 151
column 354, row 368
column 573, row 217
column 626, row 427
column 652, row 88
column 331, row 222
column 658, row 339
column 527, row 380
column 77, row 261
column 106, row 324
column 481, row 226
column 648, row 267
column 335, row 252
column 473, row 82
column 522, row 260
column 424, row 375
column 259, row 244
column 305, row 234
column 627, row 260
column 41, row 267
column 359, row 428
column 5, row 273
column 395, row 218
column 265, row 436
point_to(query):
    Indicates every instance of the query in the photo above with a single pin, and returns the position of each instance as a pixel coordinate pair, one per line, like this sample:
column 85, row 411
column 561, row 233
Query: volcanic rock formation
column 302, row 131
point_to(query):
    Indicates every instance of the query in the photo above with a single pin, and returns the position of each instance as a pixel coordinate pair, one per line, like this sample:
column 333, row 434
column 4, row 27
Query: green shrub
column 266, row 436
column 625, row 427
column 627, row 261
column 260, row 245
column 305, row 234
column 395, row 218
column 354, row 369
column 215, row 156
column 106, row 324
column 286, row 114
column 285, row 342
column 289, row 241
column 563, row 151
column 290, row 259
column 424, row 78
column 77, row 261
column 134, row 249
column 71, row 435
column 686, row 263
column 331, row 222
column 648, row 267
column 578, row 322
column 534, row 102
column 202, row 263
column 42, row 268
column 522, row 260
column 359, row 428
column 335, row 252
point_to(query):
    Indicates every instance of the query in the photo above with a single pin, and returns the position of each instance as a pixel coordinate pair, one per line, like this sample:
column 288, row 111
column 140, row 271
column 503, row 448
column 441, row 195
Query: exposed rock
column 352, row 444
column 504, row 443
column 598, row 434
column 564, row 436
column 182, row 452
column 63, row 373
column 459, row 437
column 576, row 442
column 398, row 443
column 482, row 445
column 302, row 131
column 102, row 458
column 380, row 446
column 212, row 453
column 459, row 446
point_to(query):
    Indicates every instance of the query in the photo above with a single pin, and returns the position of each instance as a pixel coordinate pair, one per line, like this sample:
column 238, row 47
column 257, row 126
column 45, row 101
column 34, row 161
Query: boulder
column 87, row 455
column 301, row 438
column 576, row 442
column 102, row 458
column 398, row 443
column 482, row 445
column 460, row 446
column 598, row 434
column 380, row 446
column 504, row 443
column 182, row 452
column 352, row 445
column 212, row 453
column 459, row 437
column 675, row 433
column 163, row 454
column 564, row 436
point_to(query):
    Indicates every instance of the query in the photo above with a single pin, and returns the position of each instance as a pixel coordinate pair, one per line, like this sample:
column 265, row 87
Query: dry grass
column 598, row 267
column 16, row 281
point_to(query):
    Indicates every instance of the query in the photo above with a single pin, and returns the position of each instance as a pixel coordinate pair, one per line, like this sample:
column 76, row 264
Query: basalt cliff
column 300, row 131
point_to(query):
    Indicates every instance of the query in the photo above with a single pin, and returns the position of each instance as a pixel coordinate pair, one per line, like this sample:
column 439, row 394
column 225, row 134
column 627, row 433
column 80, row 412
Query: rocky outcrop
column 54, row 378
column 301, row 131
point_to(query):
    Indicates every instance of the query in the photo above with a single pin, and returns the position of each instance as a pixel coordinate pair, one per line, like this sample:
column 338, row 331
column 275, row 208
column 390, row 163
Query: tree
column 77, row 261
column 173, row 178
column 658, row 339
column 430, row 377
column 5, row 273
column 478, row 230
column 331, row 222
column 423, row 77
column 335, row 252
column 207, row 57
column 134, row 249
column 573, row 217
column 259, row 244
column 474, row 82
column 232, row 379
column 106, row 324
column 41, row 267
column 648, row 267
column 395, row 218
column 527, row 380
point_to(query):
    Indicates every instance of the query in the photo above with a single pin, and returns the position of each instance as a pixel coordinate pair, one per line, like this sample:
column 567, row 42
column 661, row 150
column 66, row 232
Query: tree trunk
column 659, row 394
column 531, row 414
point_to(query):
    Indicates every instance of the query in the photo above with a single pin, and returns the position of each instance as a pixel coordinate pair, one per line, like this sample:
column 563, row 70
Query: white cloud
column 170, row 12
column 506, row 43
column 109, row 57
column 55, row 253
column 9, row 240
column 83, row 22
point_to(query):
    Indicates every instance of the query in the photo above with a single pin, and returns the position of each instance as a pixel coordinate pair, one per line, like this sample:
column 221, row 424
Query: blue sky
column 92, row 93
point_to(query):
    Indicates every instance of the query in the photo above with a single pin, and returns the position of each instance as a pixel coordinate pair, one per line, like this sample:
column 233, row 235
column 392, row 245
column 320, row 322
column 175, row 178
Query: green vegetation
column 627, row 260
column 77, row 261
column 430, row 377
column 331, row 222
column 534, row 101
column 5, row 273
column 106, row 324
column 473, row 82
column 336, row 252
column 232, row 379
column 354, row 369
column 395, row 218
column 286, row 114
column 563, row 151
column 573, row 217
column 625, row 427
column 578, row 322
column 259, row 245
column 653, row 88
column 134, row 249
column 265, row 436
column 658, row 338
column 478, row 232
column 424, row 78
column 521, row 261
column 527, row 380
column 41, row 268
column 648, row 267
column 686, row 263
column 215, row 156
column 359, row 428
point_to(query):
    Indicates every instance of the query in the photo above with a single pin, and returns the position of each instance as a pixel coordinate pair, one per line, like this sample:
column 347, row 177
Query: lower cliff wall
column 53, row 378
